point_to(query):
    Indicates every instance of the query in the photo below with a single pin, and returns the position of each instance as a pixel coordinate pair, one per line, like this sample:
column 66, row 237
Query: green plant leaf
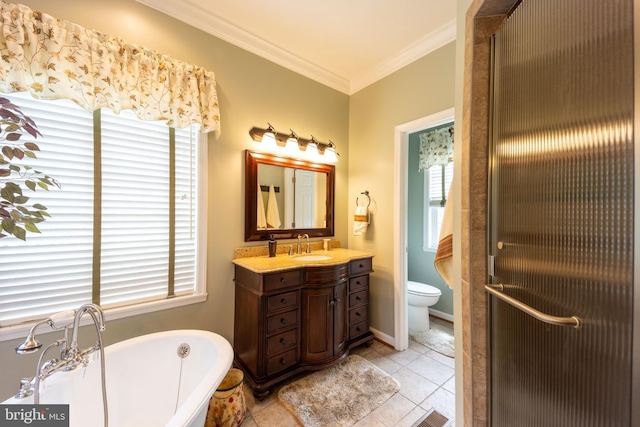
column 31, row 227
column 7, row 151
column 20, row 233
column 8, row 224
column 30, row 184
column 30, row 154
column 32, row 146
column 40, row 207
column 20, row 200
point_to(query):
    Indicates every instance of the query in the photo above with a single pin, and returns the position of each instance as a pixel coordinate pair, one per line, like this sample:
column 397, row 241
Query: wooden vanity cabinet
column 302, row 319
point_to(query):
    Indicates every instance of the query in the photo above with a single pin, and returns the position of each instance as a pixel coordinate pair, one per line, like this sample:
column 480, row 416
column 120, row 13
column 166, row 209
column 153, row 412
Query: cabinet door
column 317, row 329
column 340, row 312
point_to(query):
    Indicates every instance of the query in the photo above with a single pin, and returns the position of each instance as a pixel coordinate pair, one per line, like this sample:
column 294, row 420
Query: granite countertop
column 266, row 264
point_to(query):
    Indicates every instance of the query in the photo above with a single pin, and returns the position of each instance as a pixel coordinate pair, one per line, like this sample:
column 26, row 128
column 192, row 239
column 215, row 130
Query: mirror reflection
column 286, row 197
column 291, row 197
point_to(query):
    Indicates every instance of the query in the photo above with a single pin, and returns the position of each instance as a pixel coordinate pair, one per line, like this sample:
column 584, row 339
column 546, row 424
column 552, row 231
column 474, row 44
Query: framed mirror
column 287, row 197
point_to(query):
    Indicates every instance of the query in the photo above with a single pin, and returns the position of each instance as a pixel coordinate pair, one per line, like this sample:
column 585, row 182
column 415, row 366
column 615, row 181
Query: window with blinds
column 123, row 226
column 437, row 180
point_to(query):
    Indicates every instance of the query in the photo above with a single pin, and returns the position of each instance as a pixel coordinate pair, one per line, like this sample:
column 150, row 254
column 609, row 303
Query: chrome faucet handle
column 26, row 388
column 306, row 237
column 290, row 249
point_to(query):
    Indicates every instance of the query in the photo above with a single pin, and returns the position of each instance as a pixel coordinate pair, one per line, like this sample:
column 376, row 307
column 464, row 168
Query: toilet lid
column 422, row 288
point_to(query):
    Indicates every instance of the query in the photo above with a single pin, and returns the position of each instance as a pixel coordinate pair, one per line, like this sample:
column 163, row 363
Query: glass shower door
column 561, row 215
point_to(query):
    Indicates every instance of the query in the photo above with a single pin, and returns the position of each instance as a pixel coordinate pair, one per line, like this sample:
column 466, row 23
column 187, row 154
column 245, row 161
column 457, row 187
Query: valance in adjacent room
column 436, row 147
column 53, row 59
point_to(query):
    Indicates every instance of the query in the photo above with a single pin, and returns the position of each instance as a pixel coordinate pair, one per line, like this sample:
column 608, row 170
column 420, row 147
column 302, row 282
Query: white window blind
column 437, row 181
column 186, row 155
column 53, row 271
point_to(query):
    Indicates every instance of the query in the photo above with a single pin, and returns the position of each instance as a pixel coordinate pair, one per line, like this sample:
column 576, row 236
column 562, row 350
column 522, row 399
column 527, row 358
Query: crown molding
column 429, row 43
column 193, row 15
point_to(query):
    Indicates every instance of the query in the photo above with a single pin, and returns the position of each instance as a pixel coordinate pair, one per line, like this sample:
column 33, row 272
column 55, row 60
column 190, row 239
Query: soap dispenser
column 272, row 246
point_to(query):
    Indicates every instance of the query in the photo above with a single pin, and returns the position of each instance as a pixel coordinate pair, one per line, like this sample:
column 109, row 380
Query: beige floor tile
column 404, row 357
column 274, row 415
column 445, row 360
column 393, row 410
column 369, row 421
column 382, row 362
column 414, row 345
column 414, row 387
column 450, row 385
column 442, row 401
column 249, row 421
column 431, row 369
column 411, row 418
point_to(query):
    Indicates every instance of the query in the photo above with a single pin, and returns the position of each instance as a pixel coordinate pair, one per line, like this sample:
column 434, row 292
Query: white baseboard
column 441, row 315
column 381, row 336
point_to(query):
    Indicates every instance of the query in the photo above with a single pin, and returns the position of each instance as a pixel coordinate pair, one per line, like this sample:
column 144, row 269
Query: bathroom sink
column 312, row 258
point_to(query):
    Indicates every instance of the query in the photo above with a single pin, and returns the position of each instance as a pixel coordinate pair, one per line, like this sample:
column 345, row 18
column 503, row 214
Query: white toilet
column 420, row 297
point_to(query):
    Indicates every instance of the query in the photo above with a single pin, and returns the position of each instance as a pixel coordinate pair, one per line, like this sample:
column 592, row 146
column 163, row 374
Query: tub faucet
column 96, row 314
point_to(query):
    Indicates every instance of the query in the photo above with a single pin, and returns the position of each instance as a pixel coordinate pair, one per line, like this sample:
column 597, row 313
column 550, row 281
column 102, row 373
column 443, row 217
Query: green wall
column 424, row 87
column 419, row 262
column 251, row 92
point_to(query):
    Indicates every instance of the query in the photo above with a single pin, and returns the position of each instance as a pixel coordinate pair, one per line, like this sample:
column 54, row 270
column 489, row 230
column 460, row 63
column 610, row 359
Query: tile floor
column 426, row 380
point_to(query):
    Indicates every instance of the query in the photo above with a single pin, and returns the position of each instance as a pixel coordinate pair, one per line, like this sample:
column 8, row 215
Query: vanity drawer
column 282, row 301
column 358, row 266
column 358, row 283
column 358, row 298
column 282, row 361
column 358, row 329
column 283, row 320
column 283, row 279
column 281, row 342
column 358, row 314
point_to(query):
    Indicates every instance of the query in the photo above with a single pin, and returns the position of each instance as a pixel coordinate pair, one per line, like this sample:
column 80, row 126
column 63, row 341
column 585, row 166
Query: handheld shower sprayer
column 30, row 343
column 57, row 321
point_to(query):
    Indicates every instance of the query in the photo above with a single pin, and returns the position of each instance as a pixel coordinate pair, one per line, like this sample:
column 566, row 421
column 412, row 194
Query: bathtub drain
column 183, row 350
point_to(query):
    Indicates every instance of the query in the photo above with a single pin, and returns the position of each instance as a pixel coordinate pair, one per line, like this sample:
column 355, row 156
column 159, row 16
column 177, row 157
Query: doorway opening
column 401, row 162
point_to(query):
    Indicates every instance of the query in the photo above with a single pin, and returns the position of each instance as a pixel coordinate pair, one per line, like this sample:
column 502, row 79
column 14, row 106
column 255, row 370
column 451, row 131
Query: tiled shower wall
column 483, row 18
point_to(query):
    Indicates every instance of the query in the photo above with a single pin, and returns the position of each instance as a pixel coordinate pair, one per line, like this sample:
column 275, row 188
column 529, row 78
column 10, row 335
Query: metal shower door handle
column 496, row 290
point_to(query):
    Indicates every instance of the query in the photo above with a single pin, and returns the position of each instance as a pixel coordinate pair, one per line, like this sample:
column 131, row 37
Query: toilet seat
column 417, row 288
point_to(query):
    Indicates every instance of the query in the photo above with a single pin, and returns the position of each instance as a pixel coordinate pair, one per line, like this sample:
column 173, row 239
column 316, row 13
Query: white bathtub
column 146, row 384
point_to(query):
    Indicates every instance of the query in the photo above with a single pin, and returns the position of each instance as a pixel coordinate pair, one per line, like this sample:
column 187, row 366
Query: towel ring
column 366, row 193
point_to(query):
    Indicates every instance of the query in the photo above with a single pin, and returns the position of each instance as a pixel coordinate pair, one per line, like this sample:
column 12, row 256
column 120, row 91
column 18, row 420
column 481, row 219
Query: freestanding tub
column 148, row 382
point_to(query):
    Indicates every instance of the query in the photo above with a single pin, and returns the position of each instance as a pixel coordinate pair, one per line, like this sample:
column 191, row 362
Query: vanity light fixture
column 294, row 146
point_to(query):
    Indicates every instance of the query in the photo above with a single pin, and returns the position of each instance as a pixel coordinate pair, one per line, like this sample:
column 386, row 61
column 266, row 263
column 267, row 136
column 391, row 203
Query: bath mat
column 439, row 338
column 340, row 395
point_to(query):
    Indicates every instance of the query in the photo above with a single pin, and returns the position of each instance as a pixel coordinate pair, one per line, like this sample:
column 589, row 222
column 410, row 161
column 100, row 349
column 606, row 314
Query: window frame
column 430, row 207
column 199, row 292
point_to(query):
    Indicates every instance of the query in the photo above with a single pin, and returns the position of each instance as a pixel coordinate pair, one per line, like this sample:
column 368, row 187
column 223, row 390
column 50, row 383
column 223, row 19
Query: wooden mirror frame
column 251, row 185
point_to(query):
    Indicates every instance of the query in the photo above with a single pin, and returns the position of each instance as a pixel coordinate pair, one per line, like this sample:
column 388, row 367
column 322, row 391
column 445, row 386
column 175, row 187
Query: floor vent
column 432, row 419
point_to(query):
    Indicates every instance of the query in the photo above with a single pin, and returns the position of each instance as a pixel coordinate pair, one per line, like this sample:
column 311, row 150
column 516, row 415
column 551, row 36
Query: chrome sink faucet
column 299, row 247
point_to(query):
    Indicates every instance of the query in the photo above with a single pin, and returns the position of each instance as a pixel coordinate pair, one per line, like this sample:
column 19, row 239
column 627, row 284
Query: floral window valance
column 54, row 59
column 436, row 147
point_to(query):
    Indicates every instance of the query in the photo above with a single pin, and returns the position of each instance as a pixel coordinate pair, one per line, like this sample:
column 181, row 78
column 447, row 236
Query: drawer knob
column 283, row 361
column 283, row 341
column 358, row 328
column 283, row 280
column 283, row 300
column 283, row 321
column 358, row 298
column 361, row 265
column 357, row 282
column 358, row 314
